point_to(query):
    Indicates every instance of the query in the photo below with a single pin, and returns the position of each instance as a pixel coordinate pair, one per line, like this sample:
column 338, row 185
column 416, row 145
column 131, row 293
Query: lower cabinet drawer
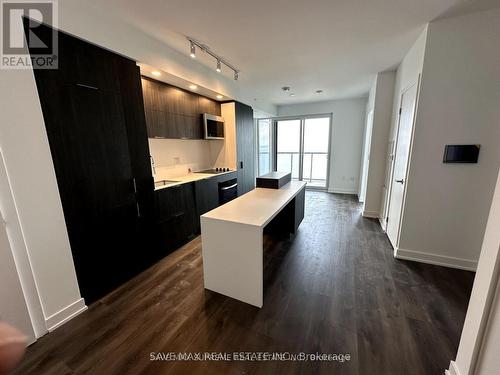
column 170, row 232
column 176, row 217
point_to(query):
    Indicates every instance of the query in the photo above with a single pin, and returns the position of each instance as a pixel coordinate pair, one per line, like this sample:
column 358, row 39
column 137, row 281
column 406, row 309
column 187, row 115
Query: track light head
column 193, row 43
column 193, row 51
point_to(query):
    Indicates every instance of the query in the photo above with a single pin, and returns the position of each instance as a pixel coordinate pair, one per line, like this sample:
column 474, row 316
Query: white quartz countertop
column 257, row 207
column 193, row 176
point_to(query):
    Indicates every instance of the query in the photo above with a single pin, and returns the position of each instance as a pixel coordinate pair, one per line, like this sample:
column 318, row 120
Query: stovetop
column 215, row 170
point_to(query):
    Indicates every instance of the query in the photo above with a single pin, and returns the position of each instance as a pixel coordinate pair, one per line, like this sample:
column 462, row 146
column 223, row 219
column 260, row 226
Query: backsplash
column 174, row 157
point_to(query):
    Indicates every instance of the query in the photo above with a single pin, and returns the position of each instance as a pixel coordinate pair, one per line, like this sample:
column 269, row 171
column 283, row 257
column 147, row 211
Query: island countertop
column 257, row 207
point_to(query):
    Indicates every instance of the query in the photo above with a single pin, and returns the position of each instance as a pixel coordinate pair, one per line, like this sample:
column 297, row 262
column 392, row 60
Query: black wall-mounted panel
column 461, row 153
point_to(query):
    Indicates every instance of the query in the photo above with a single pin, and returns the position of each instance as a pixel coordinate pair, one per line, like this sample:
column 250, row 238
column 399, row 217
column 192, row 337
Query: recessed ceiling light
column 218, row 66
column 156, row 73
column 219, row 96
column 319, row 91
column 193, row 87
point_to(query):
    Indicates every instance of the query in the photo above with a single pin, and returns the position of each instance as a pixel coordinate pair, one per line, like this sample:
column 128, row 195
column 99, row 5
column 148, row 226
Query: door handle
column 87, row 86
column 400, row 181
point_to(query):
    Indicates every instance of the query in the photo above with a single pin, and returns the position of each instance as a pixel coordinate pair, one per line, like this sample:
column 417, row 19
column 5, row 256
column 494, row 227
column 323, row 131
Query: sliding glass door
column 302, row 147
column 288, row 146
column 316, row 151
column 264, row 146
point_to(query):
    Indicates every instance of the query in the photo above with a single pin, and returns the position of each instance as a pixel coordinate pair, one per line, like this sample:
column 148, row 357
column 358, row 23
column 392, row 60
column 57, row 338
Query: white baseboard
column 371, row 214
column 453, row 370
column 439, row 260
column 382, row 224
column 66, row 314
column 343, row 191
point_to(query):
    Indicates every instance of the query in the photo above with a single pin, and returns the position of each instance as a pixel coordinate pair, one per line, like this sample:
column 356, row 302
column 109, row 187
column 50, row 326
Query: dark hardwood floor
column 334, row 288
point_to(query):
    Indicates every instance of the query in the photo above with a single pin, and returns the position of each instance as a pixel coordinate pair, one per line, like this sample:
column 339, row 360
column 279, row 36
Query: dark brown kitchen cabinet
column 245, row 148
column 94, row 118
column 176, row 216
column 175, row 113
column 207, row 192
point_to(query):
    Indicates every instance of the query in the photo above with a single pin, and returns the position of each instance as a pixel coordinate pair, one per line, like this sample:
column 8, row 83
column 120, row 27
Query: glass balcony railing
column 314, row 168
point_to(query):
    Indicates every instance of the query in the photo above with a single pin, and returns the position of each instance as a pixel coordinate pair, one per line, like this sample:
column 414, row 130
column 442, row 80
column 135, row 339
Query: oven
column 228, row 190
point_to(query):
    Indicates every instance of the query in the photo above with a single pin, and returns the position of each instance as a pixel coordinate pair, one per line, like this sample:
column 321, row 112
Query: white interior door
column 13, row 305
column 403, row 142
column 366, row 156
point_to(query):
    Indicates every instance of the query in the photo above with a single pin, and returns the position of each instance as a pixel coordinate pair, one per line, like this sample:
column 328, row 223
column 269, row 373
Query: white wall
column 447, row 205
column 480, row 338
column 347, row 138
column 380, row 102
column 406, row 75
column 173, row 157
column 26, row 152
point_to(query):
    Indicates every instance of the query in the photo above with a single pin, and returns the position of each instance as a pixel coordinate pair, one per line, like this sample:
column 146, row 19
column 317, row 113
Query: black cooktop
column 215, row 170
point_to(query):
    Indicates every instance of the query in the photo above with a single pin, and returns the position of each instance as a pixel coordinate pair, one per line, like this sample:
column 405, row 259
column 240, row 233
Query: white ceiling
column 334, row 45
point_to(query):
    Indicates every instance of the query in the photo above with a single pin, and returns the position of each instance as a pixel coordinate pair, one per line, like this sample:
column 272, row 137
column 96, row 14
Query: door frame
column 393, row 161
column 365, row 160
column 257, row 144
column 302, row 119
column 20, row 256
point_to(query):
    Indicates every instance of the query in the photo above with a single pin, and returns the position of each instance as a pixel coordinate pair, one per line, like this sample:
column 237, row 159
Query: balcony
column 314, row 168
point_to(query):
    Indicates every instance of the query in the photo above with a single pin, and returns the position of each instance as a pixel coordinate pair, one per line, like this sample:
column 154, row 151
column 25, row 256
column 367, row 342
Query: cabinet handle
column 87, row 86
column 138, row 209
column 241, row 164
column 400, row 181
column 135, row 185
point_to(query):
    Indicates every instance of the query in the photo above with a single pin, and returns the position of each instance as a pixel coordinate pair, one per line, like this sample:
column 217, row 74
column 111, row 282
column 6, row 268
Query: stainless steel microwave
column 213, row 126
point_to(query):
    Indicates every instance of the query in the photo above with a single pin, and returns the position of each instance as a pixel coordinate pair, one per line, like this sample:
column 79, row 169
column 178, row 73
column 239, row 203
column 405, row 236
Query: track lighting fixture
column 219, row 60
column 193, row 50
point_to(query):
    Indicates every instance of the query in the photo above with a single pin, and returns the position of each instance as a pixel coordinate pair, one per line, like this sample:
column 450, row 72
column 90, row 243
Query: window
column 264, row 146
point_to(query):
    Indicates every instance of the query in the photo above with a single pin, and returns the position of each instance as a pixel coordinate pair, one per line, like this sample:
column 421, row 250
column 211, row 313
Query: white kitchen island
column 232, row 238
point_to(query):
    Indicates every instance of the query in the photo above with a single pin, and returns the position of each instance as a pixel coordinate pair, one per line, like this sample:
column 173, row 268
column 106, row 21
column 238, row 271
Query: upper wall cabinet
column 174, row 113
